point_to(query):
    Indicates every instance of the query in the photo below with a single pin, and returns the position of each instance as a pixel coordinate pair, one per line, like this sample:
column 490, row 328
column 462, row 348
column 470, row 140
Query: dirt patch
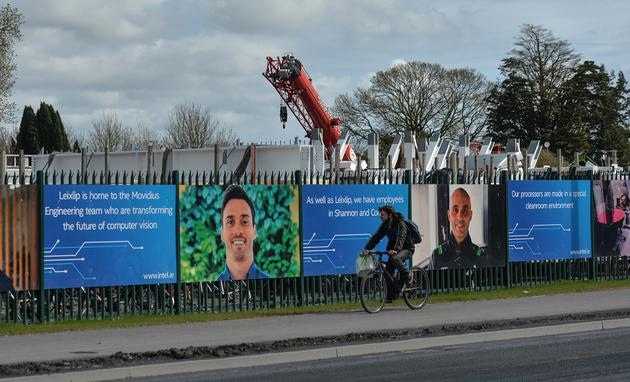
column 121, row 359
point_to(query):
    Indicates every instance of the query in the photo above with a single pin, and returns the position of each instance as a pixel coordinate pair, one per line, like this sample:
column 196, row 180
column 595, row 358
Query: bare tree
column 465, row 111
column 356, row 118
column 191, row 126
column 109, row 132
column 408, row 97
column 8, row 139
column 143, row 136
column 539, row 65
column 545, row 61
column 76, row 138
column 10, row 22
column 424, row 98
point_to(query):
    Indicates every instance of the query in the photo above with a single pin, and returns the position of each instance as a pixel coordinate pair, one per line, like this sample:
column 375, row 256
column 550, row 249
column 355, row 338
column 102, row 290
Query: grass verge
column 561, row 287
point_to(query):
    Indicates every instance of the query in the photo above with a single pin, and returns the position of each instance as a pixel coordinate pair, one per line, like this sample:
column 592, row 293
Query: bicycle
column 373, row 290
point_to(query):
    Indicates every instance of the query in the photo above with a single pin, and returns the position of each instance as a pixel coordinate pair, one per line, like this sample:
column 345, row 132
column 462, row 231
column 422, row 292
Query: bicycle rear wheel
column 417, row 290
column 373, row 292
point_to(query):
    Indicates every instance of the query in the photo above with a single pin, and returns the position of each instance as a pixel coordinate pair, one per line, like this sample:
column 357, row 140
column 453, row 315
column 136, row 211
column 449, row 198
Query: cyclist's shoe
column 391, row 297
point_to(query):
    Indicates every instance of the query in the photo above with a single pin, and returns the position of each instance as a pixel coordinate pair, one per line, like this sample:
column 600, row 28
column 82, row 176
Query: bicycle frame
column 375, row 283
column 382, row 265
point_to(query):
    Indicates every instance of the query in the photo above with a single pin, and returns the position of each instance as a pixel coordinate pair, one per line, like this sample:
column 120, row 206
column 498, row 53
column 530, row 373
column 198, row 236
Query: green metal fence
column 40, row 306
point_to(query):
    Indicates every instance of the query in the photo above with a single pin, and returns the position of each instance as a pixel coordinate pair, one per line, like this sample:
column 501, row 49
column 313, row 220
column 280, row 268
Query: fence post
column 593, row 260
column 3, row 165
column 40, row 224
column 559, row 153
column 178, row 285
column 505, row 181
column 83, row 166
column 150, row 170
column 298, row 180
column 408, row 179
column 107, row 166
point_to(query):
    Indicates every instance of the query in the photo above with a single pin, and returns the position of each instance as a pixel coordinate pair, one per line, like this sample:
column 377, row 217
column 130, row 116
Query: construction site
column 326, row 148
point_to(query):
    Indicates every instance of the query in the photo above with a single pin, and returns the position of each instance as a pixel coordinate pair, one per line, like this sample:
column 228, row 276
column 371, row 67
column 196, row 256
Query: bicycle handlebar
column 366, row 252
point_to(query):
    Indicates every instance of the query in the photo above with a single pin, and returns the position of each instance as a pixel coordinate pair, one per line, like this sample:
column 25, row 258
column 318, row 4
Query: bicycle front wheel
column 373, row 292
column 417, row 290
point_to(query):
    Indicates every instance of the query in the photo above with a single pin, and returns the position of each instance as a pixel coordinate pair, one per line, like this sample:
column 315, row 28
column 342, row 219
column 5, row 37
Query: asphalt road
column 590, row 356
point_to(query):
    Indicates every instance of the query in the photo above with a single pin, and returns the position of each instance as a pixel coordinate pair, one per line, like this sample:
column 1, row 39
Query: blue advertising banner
column 549, row 220
column 98, row 235
column 338, row 220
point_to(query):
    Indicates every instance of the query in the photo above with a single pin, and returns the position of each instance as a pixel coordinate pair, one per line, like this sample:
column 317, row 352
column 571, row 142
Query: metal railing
column 40, row 306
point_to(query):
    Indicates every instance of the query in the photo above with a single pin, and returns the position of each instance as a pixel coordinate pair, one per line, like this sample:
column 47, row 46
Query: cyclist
column 400, row 246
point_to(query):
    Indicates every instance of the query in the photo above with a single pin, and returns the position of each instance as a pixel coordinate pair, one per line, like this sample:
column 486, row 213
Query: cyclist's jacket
column 397, row 237
column 451, row 255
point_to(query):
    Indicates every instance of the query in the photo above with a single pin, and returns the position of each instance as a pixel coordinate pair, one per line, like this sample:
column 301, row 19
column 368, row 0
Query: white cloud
column 398, row 61
column 96, row 20
column 142, row 57
column 273, row 17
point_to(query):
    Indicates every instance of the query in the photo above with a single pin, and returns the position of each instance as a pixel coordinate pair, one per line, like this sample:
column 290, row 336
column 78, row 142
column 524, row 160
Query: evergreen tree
column 44, row 127
column 53, row 136
column 75, row 147
column 535, row 71
column 511, row 112
column 623, row 96
column 591, row 115
column 623, row 93
column 56, row 138
column 59, row 139
column 64, row 135
column 27, row 138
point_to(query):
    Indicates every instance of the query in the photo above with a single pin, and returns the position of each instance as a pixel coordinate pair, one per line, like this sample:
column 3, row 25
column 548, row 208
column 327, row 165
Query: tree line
column 189, row 126
column 546, row 92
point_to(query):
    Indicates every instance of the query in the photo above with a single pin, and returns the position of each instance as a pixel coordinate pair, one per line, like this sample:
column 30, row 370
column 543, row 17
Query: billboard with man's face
column 246, row 241
column 465, row 225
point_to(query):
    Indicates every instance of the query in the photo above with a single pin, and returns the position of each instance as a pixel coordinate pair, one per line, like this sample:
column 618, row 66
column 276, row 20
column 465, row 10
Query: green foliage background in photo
column 276, row 249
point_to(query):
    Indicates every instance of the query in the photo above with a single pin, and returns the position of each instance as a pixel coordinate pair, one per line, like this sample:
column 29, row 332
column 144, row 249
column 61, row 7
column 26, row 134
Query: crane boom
column 288, row 76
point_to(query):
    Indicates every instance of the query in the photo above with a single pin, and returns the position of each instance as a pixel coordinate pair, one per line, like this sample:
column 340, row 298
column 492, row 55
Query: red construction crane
column 288, row 76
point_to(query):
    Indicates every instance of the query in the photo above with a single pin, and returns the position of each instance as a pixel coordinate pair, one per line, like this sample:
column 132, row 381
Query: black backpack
column 413, row 231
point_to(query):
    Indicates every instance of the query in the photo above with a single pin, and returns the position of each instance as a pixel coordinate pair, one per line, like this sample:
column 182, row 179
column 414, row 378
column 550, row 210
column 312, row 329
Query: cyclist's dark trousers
column 397, row 262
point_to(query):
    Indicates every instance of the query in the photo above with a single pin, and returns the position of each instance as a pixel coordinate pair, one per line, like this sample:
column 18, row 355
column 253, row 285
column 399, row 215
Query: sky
column 141, row 58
